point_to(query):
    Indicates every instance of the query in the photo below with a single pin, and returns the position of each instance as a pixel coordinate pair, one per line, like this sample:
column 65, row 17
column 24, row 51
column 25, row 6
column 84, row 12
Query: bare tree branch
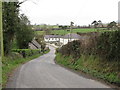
column 27, row 0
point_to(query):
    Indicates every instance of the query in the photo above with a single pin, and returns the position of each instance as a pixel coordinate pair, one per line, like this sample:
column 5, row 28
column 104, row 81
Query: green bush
column 72, row 48
column 108, row 45
column 27, row 52
column 99, row 56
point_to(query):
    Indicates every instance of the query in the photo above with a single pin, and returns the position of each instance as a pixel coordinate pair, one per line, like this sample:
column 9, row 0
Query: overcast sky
column 62, row 12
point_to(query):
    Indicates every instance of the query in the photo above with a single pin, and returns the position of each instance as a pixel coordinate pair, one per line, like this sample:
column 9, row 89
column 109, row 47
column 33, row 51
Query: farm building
column 52, row 38
column 34, row 45
column 62, row 39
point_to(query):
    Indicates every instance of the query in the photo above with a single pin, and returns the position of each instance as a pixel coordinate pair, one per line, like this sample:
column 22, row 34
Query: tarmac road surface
column 42, row 72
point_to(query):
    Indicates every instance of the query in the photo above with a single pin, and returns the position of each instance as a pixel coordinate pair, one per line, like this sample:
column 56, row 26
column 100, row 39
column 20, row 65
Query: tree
column 47, row 30
column 112, row 25
column 63, row 28
column 100, row 23
column 95, row 23
column 40, row 40
column 10, row 23
column 15, row 26
column 24, row 34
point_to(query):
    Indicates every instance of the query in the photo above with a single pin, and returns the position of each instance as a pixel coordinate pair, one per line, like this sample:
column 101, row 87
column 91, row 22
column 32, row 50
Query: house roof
column 67, row 36
column 72, row 36
column 53, row 36
column 36, row 44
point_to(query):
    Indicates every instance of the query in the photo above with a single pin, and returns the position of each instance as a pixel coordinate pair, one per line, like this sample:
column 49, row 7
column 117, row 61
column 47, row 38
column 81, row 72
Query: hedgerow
column 72, row 48
column 27, row 52
column 104, row 50
column 108, row 46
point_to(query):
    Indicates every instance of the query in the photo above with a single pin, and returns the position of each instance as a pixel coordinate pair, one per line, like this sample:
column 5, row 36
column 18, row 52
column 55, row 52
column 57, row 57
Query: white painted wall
column 61, row 40
column 65, row 41
column 51, row 39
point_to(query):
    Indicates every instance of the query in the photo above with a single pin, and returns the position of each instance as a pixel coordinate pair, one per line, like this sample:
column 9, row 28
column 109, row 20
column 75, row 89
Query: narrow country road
column 44, row 73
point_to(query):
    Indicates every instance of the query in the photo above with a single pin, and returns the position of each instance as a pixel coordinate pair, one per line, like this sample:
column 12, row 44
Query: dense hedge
column 99, row 56
column 108, row 45
column 72, row 48
column 27, row 52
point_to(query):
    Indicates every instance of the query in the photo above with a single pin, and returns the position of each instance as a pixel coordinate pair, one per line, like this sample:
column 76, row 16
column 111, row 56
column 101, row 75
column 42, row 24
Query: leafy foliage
column 15, row 26
column 24, row 34
column 112, row 25
column 105, row 45
column 27, row 52
column 40, row 40
column 104, row 50
column 108, row 45
column 10, row 23
column 72, row 48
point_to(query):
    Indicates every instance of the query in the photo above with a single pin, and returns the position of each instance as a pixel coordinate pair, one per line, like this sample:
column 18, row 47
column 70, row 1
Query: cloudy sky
column 81, row 12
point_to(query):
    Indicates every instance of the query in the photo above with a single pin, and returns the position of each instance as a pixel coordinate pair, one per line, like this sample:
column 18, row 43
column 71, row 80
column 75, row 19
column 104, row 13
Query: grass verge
column 107, row 71
column 8, row 65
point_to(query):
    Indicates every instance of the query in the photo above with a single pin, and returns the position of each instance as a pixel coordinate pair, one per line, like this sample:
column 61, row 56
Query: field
column 63, row 32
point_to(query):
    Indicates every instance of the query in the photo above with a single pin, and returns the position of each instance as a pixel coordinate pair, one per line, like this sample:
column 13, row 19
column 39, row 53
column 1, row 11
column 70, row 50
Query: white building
column 62, row 39
column 52, row 38
column 70, row 37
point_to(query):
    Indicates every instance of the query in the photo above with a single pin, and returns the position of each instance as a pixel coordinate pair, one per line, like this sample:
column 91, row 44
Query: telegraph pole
column 71, row 25
column 1, row 44
column 1, row 32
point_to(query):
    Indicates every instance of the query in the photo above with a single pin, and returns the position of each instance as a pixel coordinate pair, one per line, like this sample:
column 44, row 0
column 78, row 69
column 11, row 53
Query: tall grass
column 93, row 66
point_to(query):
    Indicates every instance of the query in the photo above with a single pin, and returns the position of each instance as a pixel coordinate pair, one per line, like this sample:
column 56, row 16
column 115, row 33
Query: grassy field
column 62, row 32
